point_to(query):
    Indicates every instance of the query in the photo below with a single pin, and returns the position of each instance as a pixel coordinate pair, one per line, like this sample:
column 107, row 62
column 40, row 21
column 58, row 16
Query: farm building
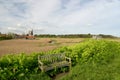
column 96, row 37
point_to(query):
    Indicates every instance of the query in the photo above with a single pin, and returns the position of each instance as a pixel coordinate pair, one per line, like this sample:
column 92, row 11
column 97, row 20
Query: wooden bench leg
column 42, row 69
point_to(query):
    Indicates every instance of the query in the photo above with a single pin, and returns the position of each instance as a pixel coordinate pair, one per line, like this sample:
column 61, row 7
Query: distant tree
column 10, row 34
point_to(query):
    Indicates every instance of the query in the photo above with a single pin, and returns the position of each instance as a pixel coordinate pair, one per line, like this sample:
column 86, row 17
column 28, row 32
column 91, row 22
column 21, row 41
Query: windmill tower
column 30, row 35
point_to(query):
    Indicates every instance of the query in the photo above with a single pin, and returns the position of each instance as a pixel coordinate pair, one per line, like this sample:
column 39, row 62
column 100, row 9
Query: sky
column 60, row 16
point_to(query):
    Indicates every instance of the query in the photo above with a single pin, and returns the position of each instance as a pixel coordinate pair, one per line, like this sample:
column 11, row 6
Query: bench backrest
column 52, row 58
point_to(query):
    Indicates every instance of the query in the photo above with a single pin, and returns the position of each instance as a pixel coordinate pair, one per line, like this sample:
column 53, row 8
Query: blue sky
column 60, row 16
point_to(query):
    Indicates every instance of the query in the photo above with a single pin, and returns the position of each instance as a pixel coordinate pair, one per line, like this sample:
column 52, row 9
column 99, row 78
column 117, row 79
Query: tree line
column 73, row 36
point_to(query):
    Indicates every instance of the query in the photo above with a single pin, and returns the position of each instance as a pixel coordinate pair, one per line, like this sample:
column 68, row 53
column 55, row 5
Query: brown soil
column 29, row 46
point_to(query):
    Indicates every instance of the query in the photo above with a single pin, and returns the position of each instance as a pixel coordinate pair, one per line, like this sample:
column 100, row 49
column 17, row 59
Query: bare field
column 16, row 46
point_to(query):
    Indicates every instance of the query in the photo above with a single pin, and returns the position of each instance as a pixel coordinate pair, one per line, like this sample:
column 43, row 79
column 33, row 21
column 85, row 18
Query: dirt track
column 30, row 46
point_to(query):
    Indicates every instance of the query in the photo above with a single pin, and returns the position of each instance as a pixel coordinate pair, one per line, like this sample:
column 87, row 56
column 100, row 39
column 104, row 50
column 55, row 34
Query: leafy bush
column 17, row 66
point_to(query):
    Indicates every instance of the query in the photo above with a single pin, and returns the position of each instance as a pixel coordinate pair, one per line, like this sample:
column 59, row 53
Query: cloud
column 60, row 16
column 42, row 10
column 11, row 28
column 18, row 25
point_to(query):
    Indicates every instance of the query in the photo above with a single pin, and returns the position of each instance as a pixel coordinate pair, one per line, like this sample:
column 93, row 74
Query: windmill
column 30, row 35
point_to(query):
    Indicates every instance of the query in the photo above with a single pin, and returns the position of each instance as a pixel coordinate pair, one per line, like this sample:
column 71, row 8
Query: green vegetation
column 91, row 60
column 5, row 37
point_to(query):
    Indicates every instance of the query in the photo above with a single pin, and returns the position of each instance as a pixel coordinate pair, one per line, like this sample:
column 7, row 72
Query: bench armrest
column 39, row 62
column 69, row 59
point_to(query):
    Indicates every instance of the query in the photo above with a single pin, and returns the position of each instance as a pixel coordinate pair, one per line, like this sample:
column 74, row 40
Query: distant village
column 10, row 35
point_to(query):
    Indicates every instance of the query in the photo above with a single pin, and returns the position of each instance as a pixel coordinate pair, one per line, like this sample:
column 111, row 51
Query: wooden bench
column 53, row 61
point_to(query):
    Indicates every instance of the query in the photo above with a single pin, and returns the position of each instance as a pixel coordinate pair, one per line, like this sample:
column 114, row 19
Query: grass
column 95, row 71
